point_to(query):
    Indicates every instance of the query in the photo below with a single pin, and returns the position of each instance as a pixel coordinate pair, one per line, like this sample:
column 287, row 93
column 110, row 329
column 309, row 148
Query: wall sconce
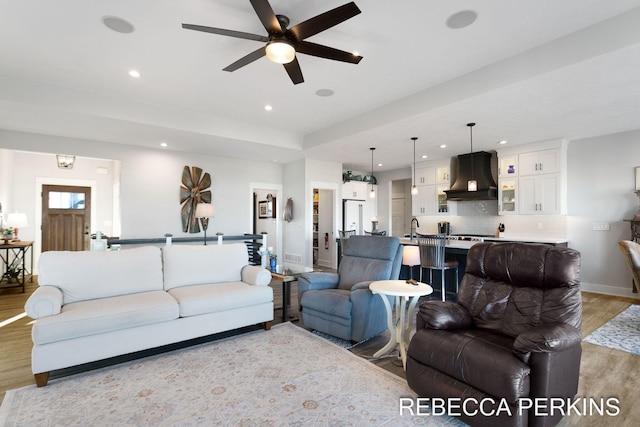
column 65, row 162
column 204, row 211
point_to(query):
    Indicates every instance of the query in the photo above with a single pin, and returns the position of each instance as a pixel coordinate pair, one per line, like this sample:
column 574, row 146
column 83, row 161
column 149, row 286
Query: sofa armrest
column 255, row 275
column 445, row 315
column 45, row 301
column 546, row 339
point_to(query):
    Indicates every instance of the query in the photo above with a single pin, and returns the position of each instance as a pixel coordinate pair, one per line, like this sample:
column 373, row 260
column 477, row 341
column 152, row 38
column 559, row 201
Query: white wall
column 149, row 183
column 601, row 185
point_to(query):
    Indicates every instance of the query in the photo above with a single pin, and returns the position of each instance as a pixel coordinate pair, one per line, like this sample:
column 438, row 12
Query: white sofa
column 95, row 305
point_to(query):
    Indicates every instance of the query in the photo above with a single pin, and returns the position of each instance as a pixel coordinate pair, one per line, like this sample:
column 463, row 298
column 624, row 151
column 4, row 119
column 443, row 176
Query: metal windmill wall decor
column 193, row 191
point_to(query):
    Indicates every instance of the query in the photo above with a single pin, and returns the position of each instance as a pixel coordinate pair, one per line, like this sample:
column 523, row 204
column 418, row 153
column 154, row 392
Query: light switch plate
column 600, row 226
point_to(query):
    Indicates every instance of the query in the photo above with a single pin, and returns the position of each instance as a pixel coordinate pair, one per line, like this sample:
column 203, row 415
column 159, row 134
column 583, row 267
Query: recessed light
column 424, row 156
column 268, row 107
column 134, row 73
column 504, row 141
column 117, row 24
column 163, row 144
column 443, row 146
column 324, row 92
column 461, row 19
column 379, row 164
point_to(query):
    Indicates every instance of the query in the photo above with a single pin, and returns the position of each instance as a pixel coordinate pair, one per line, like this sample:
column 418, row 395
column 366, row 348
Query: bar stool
column 432, row 257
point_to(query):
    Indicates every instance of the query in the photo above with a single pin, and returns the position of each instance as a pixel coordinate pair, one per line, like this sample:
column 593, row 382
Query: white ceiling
column 524, row 71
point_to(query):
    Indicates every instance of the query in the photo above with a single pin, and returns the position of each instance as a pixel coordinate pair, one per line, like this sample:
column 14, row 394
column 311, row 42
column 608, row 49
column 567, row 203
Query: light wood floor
column 604, row 373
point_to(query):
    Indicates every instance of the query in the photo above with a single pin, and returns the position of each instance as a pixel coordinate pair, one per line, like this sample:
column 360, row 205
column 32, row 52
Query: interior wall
column 601, row 185
column 149, row 183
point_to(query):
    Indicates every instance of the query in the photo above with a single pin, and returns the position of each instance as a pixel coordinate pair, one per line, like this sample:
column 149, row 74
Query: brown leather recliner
column 510, row 344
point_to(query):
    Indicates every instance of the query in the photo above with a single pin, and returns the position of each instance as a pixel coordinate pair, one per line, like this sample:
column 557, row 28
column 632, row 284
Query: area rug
column 620, row 333
column 283, row 377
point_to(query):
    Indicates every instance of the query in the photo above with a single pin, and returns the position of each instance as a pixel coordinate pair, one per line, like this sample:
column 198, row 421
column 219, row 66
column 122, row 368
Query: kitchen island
column 457, row 248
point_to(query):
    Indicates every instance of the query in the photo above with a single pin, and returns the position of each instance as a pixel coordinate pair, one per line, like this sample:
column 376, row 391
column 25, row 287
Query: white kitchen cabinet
column 432, row 179
column 539, row 194
column 537, row 184
column 425, row 176
column 424, row 203
column 508, row 166
column 508, row 195
column 358, row 190
column 539, row 162
column 443, row 175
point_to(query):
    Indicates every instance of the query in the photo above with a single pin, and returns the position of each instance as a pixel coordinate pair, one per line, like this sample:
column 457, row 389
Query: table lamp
column 204, row 211
column 411, row 257
column 17, row 220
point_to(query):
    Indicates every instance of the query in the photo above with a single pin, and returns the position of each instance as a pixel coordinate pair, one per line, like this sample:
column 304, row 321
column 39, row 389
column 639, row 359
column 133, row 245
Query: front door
column 66, row 218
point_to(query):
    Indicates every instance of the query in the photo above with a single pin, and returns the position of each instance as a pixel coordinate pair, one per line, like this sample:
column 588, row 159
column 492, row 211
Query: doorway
column 324, row 249
column 401, row 207
column 66, row 218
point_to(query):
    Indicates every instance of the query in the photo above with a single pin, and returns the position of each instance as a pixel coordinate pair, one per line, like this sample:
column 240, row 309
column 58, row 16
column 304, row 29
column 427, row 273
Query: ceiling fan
column 283, row 43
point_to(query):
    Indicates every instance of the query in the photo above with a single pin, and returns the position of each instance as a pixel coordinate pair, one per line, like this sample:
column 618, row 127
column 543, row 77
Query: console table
column 13, row 256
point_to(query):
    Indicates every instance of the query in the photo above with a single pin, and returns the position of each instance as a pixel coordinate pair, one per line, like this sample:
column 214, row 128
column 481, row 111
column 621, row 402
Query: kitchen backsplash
column 481, row 217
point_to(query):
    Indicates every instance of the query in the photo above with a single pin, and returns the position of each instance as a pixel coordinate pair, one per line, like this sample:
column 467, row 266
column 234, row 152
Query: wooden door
column 66, row 218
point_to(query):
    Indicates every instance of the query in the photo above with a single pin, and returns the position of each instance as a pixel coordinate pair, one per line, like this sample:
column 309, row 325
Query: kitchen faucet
column 414, row 230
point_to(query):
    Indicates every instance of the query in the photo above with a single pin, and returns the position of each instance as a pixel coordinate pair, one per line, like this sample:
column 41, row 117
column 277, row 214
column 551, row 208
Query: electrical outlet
column 600, row 226
column 540, row 226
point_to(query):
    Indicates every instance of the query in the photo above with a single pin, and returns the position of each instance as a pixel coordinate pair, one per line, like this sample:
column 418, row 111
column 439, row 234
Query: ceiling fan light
column 280, row 52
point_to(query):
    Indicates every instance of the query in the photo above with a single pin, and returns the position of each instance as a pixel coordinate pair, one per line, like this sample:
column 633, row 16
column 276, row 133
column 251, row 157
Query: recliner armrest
column 546, row 339
column 361, row 285
column 444, row 315
column 318, row 280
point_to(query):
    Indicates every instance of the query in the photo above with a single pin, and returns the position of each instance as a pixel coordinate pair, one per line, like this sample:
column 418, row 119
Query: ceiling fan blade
column 223, row 32
column 294, row 71
column 324, row 21
column 327, row 52
column 245, row 60
column 267, row 16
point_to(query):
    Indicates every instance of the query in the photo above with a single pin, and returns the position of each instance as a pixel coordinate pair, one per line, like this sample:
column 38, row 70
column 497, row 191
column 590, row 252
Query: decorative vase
column 274, row 263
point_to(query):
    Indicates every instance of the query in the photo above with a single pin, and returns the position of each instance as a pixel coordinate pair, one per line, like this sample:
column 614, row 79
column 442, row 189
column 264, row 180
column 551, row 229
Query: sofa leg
column 42, row 379
column 267, row 325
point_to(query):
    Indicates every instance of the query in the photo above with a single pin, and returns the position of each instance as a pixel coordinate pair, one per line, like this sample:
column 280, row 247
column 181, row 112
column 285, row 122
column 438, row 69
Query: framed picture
column 263, row 209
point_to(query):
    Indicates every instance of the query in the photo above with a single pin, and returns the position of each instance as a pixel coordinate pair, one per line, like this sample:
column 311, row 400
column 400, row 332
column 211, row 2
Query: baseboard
column 608, row 290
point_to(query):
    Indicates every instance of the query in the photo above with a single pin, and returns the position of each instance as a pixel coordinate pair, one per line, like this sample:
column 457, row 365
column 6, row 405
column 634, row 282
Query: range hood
column 475, row 166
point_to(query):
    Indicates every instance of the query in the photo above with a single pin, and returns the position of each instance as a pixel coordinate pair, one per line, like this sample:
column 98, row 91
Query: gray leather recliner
column 341, row 304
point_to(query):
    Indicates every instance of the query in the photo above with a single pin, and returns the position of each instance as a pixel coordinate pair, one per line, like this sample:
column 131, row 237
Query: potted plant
column 7, row 234
column 13, row 272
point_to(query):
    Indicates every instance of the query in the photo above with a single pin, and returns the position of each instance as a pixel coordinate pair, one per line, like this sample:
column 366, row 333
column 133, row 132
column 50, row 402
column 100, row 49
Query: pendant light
column 414, row 189
column 372, row 193
column 472, row 184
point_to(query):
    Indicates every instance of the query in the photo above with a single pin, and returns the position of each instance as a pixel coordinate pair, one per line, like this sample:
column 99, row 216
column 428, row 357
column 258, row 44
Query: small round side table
column 403, row 292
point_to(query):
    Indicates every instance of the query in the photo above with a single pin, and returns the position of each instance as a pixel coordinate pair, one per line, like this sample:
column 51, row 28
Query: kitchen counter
column 466, row 244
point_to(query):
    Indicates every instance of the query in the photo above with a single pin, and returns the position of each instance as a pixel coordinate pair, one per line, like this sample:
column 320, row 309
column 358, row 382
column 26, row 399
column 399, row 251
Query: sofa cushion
column 87, row 275
column 105, row 315
column 337, row 302
column 186, row 265
column 497, row 372
column 202, row 299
